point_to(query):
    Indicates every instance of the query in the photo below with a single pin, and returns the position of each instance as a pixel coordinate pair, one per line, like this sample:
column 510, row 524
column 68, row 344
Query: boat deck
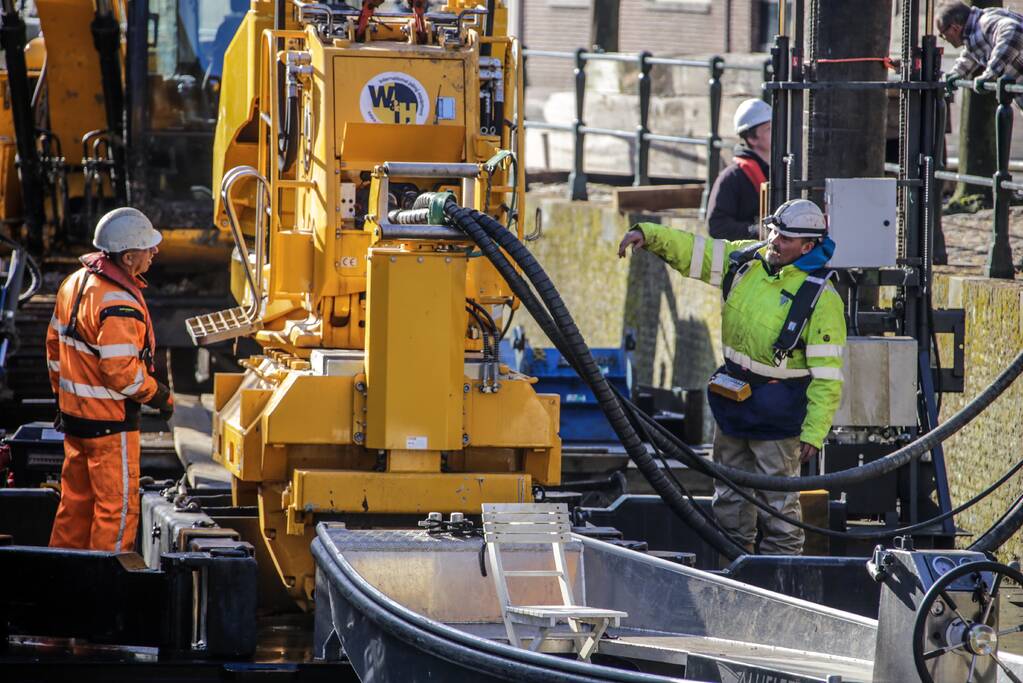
column 677, row 649
column 674, row 653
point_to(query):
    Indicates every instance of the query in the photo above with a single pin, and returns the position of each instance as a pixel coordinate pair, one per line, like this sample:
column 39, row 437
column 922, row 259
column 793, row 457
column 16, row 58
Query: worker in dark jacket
column 734, row 206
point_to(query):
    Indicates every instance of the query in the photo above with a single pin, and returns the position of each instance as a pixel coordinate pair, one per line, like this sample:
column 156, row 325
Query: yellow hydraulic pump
column 378, row 396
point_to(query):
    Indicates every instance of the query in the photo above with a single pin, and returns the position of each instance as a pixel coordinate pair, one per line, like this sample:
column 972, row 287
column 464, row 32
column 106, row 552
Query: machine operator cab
column 175, row 64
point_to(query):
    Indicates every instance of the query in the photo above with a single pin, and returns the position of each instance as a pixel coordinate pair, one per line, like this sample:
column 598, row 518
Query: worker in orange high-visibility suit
column 99, row 352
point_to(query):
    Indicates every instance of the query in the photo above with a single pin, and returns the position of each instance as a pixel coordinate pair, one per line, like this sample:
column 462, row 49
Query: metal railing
column 999, row 262
column 642, row 136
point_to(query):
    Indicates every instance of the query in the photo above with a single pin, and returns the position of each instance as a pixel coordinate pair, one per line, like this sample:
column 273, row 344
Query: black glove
column 979, row 83
column 58, row 422
column 163, row 401
column 950, row 79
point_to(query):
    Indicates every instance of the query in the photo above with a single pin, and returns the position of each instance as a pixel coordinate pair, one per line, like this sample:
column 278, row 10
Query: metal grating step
column 211, row 328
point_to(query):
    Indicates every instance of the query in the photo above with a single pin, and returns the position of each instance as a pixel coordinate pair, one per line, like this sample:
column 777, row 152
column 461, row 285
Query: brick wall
column 664, row 27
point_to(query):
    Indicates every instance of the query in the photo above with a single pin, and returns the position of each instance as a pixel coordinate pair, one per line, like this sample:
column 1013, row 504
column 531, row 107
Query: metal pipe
column 856, row 85
column 610, row 132
column 655, row 137
column 671, row 61
column 547, row 125
column 642, row 143
column 253, row 272
column 554, row 54
column 577, row 178
column 716, row 66
column 794, row 159
column 416, row 169
column 779, row 122
column 390, row 231
column 999, row 262
column 964, row 178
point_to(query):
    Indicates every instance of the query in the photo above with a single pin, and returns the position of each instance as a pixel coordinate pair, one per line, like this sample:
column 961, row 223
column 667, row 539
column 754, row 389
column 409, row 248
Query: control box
column 862, row 222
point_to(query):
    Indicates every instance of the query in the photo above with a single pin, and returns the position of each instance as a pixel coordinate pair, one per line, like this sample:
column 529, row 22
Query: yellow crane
column 378, row 396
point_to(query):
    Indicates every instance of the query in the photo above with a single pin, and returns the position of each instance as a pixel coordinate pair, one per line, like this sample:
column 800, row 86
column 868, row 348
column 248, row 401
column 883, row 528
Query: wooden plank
column 658, row 197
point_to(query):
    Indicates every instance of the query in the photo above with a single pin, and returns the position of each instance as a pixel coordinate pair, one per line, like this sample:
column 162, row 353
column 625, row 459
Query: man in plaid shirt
column 992, row 42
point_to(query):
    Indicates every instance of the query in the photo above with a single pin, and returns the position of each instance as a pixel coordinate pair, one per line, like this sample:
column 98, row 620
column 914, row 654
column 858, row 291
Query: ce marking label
column 349, row 261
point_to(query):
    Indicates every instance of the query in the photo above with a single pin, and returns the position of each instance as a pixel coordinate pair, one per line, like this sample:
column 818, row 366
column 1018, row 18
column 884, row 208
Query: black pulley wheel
column 979, row 639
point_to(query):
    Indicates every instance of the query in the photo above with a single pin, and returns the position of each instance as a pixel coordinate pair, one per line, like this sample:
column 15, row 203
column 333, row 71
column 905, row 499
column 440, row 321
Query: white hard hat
column 798, row 218
column 751, row 113
column 123, row 229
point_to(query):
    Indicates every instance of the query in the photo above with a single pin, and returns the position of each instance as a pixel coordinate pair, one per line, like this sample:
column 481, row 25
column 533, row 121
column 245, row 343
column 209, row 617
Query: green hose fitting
column 437, row 202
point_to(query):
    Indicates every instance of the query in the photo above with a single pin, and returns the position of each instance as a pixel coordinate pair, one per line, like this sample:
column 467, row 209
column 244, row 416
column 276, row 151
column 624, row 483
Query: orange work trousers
column 99, row 493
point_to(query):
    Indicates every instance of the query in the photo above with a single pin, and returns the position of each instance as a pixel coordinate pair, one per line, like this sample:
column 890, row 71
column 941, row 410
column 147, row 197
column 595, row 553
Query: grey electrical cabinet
column 862, row 222
column 880, row 383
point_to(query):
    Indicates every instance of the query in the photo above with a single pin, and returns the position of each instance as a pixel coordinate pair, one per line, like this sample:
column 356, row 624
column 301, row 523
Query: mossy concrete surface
column 993, row 442
column 676, row 321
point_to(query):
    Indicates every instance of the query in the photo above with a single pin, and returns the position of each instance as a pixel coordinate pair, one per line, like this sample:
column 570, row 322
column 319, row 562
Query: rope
column 889, row 63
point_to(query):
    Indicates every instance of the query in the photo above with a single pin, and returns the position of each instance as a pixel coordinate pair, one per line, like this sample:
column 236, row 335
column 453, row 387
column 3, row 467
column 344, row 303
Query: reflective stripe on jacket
column 753, row 315
column 96, row 366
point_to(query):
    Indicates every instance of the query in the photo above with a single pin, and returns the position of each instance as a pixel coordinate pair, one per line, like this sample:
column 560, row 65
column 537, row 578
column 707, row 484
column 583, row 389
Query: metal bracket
column 952, row 321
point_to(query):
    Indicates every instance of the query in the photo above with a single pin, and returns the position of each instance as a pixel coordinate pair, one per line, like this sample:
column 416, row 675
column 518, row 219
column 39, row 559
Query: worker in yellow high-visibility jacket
column 783, row 333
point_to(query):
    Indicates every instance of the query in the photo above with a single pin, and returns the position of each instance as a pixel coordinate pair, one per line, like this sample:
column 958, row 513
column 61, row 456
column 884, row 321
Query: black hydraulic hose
column 106, row 36
column 843, row 479
column 661, row 439
column 833, row 480
column 1002, row 530
column 576, row 347
column 882, row 533
column 31, row 265
column 12, row 41
column 489, row 354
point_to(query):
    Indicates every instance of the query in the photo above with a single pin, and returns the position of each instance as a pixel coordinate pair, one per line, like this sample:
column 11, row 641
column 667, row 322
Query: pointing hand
column 633, row 238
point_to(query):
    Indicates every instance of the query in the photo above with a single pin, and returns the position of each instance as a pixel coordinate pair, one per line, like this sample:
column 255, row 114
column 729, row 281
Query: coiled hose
column 31, row 265
column 677, row 449
column 577, row 353
column 568, row 334
column 1002, row 530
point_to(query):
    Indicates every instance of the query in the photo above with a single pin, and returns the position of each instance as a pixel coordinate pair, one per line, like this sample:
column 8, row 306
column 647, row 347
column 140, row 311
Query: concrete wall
column 677, row 321
column 990, row 445
column 677, row 324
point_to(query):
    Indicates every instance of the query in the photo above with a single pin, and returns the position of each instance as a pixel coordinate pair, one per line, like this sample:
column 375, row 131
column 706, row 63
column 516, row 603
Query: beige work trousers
column 738, row 516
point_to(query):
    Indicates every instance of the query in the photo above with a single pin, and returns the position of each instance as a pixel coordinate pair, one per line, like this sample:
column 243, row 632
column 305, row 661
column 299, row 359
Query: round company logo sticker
column 394, row 97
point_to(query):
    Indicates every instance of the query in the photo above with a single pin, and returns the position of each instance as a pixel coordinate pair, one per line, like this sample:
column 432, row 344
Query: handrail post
column 999, row 261
column 717, row 69
column 642, row 159
column 577, row 178
column 766, row 71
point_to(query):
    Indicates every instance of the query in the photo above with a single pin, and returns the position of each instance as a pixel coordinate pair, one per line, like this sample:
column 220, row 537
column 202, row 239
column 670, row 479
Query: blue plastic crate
column 582, row 420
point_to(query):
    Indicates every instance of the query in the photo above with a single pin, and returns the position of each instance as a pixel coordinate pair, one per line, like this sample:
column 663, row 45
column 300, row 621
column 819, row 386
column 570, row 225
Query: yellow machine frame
column 371, row 402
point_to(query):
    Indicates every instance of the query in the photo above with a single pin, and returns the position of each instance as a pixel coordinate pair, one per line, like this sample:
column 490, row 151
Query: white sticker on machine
column 445, row 108
column 394, row 97
column 415, row 443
